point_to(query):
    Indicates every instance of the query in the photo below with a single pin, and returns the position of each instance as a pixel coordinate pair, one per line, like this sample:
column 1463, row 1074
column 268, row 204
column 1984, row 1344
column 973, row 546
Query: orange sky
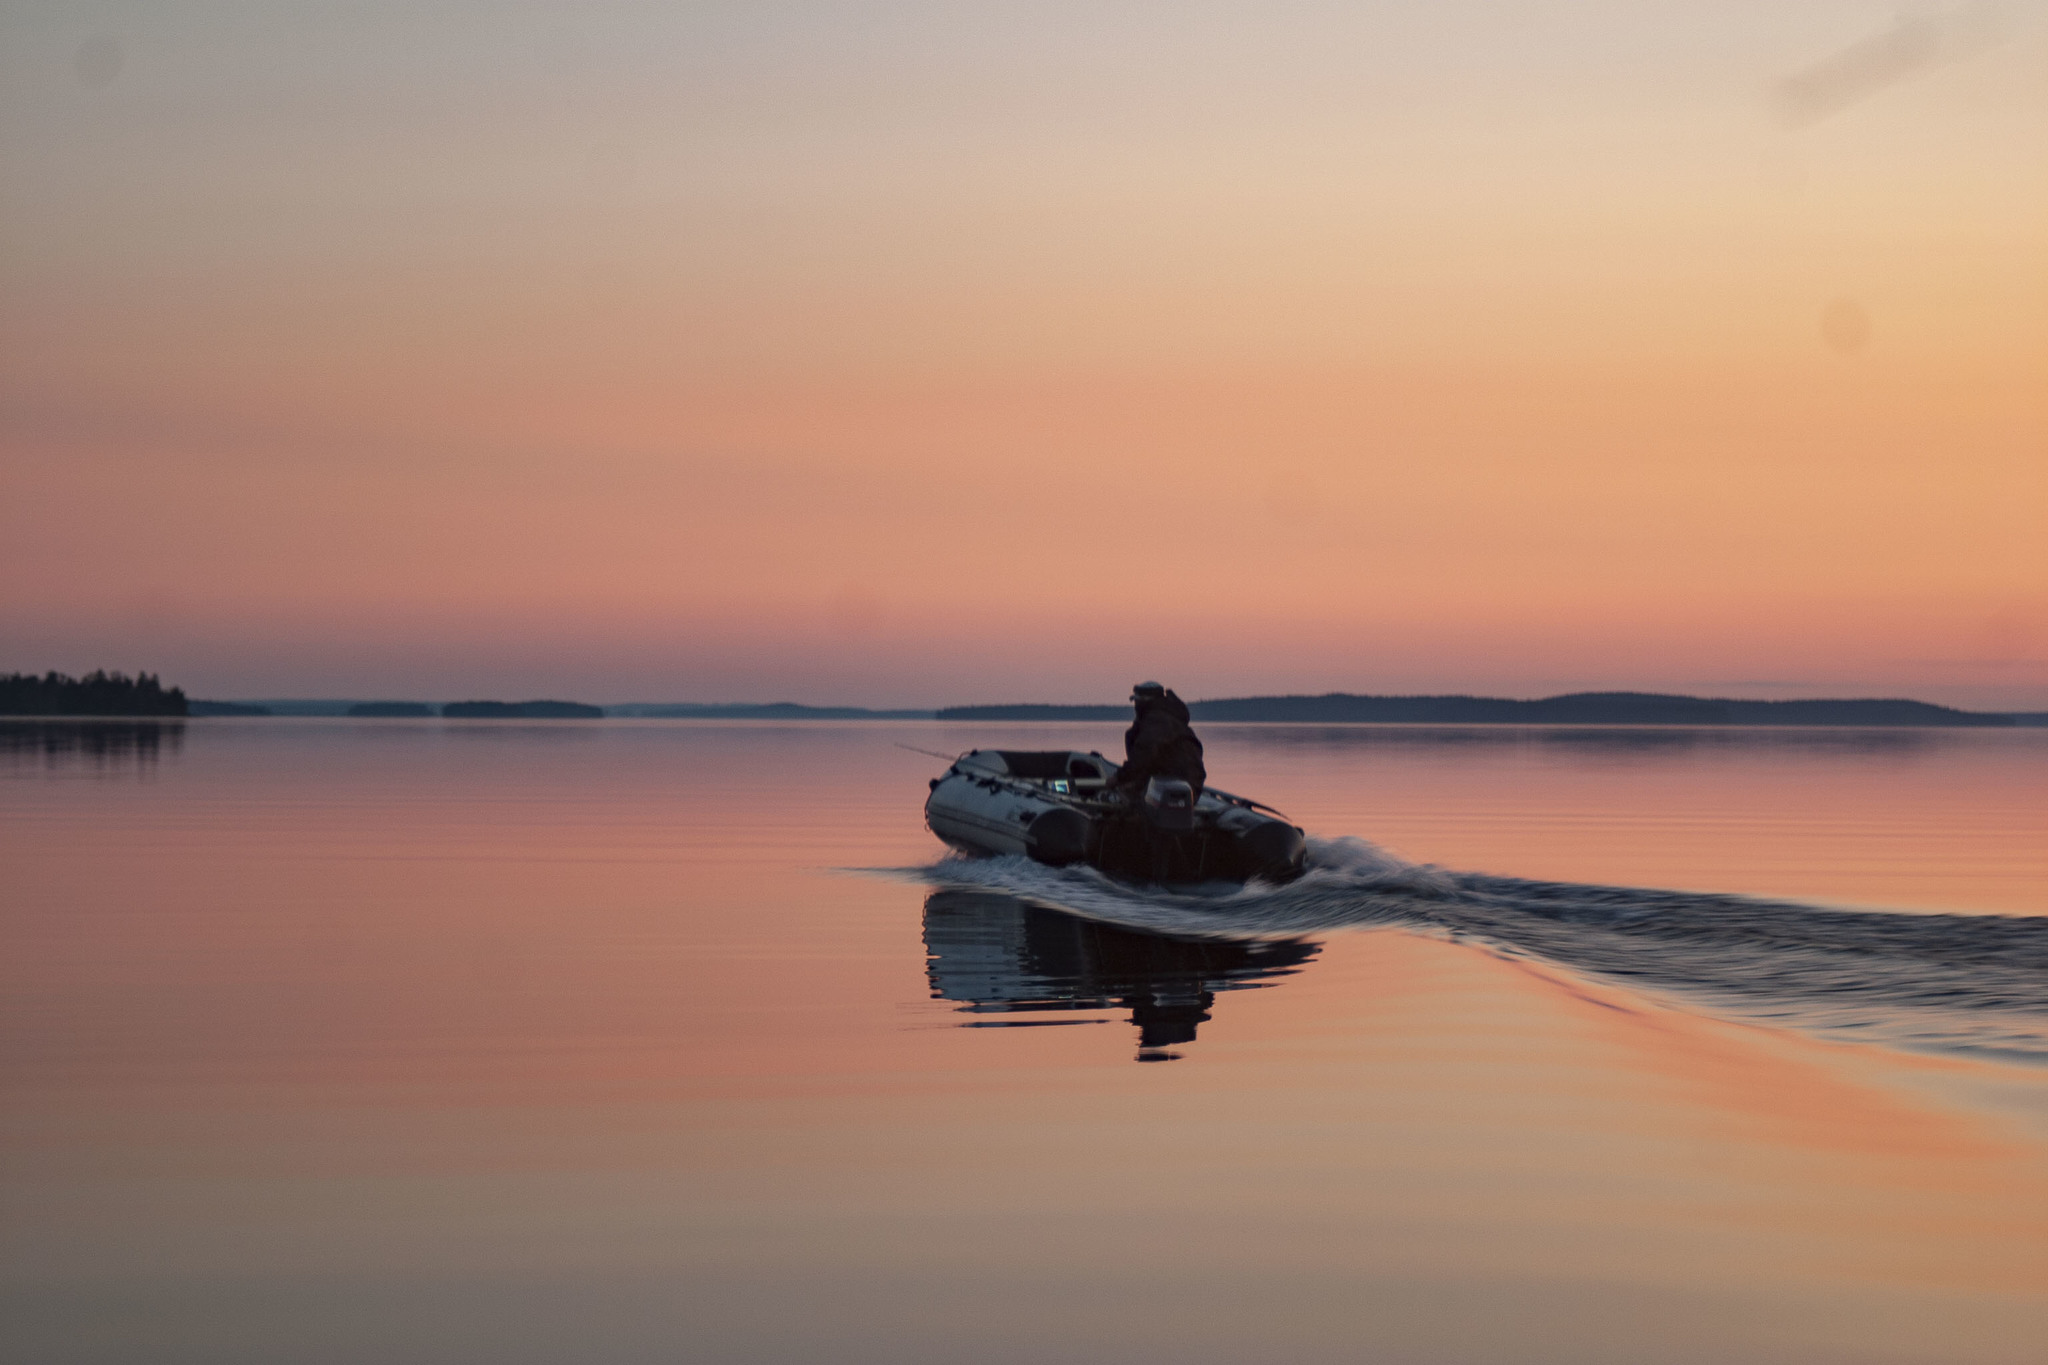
column 919, row 354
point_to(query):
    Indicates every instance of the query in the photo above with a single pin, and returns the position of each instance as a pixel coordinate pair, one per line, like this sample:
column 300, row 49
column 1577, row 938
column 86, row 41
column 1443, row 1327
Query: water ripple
column 1953, row 983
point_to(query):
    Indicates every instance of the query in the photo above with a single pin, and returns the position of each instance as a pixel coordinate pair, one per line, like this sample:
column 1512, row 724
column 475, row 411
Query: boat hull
column 1054, row 809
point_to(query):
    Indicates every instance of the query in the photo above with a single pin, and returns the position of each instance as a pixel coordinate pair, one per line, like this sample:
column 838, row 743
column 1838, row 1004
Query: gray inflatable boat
column 1058, row 807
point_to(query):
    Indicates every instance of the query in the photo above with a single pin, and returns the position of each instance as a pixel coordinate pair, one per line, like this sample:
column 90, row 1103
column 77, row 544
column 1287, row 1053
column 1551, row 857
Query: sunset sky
column 922, row 353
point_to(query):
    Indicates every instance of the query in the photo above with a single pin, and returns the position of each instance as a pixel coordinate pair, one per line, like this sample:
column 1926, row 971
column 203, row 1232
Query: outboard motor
column 1169, row 804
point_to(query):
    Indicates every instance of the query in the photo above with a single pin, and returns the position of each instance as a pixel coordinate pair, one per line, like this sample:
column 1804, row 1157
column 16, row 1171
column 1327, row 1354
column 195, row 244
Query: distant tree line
column 1578, row 708
column 479, row 710
column 98, row 693
column 521, row 710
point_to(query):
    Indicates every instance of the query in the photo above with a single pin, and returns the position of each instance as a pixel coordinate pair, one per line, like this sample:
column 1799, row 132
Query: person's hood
column 1171, row 704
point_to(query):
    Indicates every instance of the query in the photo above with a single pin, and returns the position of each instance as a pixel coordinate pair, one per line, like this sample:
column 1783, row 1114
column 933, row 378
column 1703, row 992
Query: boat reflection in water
column 999, row 955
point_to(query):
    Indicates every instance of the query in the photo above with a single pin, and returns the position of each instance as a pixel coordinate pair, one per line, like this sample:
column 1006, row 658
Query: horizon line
column 1106, row 705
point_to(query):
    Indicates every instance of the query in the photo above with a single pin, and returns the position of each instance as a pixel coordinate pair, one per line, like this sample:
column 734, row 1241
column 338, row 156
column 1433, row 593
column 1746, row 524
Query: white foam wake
column 1956, row 982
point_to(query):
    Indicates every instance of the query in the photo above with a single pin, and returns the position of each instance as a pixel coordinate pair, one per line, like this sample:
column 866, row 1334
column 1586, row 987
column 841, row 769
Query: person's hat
column 1148, row 689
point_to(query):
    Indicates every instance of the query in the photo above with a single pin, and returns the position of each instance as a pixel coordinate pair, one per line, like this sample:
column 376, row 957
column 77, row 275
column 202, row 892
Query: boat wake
column 1952, row 983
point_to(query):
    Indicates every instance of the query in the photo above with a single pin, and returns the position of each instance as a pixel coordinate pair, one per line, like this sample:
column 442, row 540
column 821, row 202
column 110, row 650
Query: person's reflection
column 998, row 955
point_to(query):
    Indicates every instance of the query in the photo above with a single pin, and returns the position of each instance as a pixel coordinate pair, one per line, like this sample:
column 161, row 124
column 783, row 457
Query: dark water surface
column 654, row 1041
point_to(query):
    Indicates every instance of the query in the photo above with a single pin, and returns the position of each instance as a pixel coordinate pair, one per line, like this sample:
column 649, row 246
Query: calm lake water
column 339, row 1041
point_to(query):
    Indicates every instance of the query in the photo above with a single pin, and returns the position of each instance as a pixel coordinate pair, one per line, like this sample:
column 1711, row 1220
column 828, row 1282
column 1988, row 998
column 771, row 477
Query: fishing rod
column 928, row 753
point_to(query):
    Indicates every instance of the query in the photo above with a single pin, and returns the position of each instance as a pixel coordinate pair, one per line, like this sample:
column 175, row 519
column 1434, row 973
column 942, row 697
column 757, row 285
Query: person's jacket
column 1160, row 744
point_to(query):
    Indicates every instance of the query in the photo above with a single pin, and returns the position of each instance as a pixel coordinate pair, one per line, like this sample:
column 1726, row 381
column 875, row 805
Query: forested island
column 521, row 710
column 772, row 710
column 99, row 693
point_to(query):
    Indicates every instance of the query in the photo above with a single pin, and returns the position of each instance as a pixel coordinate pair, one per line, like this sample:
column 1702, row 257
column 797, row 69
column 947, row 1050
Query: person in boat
column 1159, row 743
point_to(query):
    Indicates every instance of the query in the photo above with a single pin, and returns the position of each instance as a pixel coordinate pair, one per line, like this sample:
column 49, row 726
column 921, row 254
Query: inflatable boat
column 1059, row 807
